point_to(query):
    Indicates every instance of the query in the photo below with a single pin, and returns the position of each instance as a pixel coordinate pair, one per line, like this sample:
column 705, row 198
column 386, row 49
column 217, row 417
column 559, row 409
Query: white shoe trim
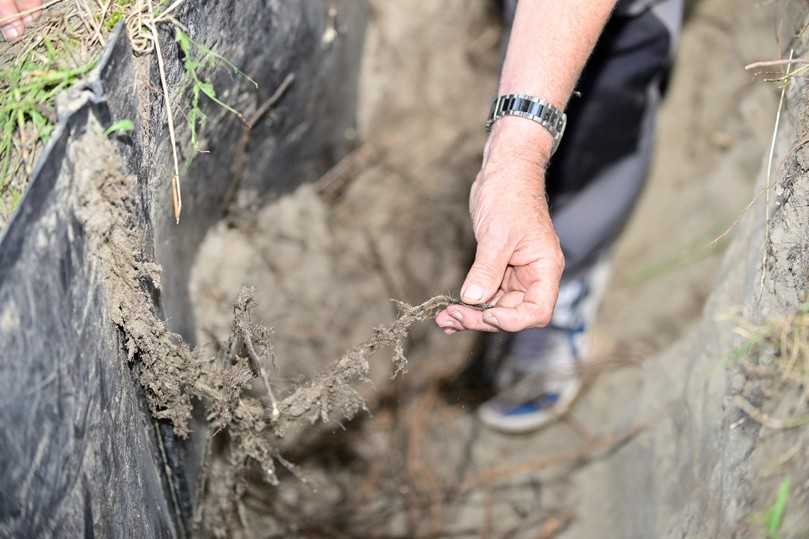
column 520, row 424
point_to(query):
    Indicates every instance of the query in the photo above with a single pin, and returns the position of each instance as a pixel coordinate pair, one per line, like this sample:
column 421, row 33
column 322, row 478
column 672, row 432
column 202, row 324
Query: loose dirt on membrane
column 246, row 422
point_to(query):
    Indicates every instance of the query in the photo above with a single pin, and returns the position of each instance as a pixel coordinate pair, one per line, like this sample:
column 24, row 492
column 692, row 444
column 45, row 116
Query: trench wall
column 79, row 453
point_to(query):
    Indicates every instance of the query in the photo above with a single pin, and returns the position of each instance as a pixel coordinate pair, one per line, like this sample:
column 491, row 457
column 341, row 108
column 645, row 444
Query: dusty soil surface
column 327, row 260
column 705, row 166
column 391, row 222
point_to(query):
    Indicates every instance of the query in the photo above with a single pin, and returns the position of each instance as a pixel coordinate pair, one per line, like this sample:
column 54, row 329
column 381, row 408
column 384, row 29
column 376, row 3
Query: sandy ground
column 705, row 166
column 326, row 259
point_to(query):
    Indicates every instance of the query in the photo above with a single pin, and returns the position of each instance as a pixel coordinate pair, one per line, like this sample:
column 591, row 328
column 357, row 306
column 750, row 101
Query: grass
column 117, row 12
column 774, row 516
column 121, row 127
column 781, row 343
column 196, row 58
column 28, row 89
column 51, row 57
column 60, row 50
column 777, row 353
column 693, row 253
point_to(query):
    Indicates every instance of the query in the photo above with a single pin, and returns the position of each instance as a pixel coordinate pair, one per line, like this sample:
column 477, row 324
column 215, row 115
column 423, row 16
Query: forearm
column 519, row 262
column 549, row 45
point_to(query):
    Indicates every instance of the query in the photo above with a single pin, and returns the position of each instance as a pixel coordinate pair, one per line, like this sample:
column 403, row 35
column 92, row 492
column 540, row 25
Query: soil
column 391, row 222
column 327, row 260
column 689, row 444
column 706, row 164
column 107, row 209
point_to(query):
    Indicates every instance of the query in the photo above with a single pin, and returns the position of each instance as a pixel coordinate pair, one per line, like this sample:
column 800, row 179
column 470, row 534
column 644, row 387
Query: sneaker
column 540, row 377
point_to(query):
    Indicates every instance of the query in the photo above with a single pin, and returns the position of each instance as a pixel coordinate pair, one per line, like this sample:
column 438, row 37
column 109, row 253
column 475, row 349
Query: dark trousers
column 602, row 164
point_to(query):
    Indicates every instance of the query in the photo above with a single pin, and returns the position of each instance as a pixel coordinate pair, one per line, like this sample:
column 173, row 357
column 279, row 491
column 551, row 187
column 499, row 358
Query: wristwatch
column 531, row 108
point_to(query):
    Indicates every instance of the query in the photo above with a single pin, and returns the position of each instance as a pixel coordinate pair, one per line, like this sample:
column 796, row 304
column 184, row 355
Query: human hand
column 12, row 24
column 519, row 263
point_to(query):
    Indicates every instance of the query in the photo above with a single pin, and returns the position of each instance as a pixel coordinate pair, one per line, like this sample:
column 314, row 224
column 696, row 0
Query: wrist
column 514, row 139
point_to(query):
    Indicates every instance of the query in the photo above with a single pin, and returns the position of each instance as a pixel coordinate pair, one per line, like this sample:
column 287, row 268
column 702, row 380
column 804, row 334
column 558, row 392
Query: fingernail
column 456, row 315
column 472, row 293
column 449, row 331
column 11, row 32
column 452, row 324
column 489, row 318
column 28, row 19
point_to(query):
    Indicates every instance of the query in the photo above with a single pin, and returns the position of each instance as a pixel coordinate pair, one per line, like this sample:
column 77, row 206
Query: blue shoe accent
column 539, row 379
column 500, row 414
column 547, row 400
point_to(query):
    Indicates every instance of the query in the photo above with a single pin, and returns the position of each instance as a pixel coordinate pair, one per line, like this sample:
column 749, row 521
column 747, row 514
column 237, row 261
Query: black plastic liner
column 79, row 453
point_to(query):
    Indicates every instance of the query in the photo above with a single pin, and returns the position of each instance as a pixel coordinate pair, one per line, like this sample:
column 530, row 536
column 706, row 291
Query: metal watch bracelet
column 530, row 108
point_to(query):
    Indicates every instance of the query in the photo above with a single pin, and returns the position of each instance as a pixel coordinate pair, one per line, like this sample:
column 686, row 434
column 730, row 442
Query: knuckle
column 494, row 232
column 542, row 317
column 557, row 258
column 560, row 261
column 484, row 269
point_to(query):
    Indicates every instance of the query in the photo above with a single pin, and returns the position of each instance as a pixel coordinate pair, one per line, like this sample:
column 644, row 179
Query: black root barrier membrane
column 80, row 454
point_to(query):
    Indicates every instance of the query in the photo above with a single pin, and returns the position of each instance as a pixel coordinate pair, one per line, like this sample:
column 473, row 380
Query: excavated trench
column 134, row 365
column 101, row 290
column 92, row 379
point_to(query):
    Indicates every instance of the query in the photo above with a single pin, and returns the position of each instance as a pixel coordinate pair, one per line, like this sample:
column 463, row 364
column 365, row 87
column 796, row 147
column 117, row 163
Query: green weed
column 28, row 89
column 121, row 127
column 56, row 60
column 774, row 516
column 118, row 11
column 197, row 57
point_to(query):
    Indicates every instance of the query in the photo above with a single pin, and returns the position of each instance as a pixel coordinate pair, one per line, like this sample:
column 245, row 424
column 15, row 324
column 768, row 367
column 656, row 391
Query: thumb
column 486, row 274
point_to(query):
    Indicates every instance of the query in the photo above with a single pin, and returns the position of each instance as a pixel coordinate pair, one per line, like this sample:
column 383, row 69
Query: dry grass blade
column 768, row 421
column 766, row 190
column 776, row 353
column 770, row 159
column 774, row 63
column 176, row 193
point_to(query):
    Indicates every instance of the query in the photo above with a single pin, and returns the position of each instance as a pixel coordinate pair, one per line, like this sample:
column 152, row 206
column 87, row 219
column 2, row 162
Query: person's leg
column 597, row 176
column 594, row 182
